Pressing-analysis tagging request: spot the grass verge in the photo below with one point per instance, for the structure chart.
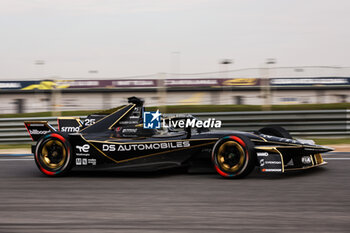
(332, 141)
(15, 146)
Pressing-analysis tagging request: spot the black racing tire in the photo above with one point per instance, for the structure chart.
(234, 156)
(275, 130)
(278, 131)
(53, 155)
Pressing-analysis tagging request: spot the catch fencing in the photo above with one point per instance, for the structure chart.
(309, 123)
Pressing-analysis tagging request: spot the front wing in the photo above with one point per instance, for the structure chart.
(271, 159)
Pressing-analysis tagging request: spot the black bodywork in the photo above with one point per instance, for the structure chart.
(119, 141)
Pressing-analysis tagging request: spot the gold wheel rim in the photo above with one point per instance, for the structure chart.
(231, 156)
(53, 154)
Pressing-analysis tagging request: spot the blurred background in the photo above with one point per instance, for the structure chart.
(248, 63)
(256, 86)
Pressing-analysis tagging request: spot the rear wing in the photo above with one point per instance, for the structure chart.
(69, 124)
(36, 129)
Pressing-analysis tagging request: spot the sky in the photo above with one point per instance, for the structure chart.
(116, 38)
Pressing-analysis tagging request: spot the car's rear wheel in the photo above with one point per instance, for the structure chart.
(53, 155)
(234, 156)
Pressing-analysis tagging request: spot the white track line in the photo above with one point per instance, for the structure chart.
(15, 159)
(336, 158)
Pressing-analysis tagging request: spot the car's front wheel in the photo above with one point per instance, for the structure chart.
(233, 156)
(53, 155)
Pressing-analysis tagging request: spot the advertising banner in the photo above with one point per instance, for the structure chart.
(151, 83)
(309, 81)
(13, 85)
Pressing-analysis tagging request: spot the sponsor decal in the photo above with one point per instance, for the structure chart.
(262, 162)
(78, 161)
(151, 120)
(269, 162)
(273, 162)
(92, 161)
(148, 146)
(271, 170)
(83, 150)
(266, 136)
(36, 125)
(70, 129)
(262, 154)
(89, 121)
(38, 132)
(84, 161)
(129, 130)
(306, 160)
(286, 140)
(128, 122)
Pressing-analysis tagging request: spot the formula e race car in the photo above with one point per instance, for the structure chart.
(131, 139)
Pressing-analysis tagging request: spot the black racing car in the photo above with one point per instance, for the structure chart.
(121, 141)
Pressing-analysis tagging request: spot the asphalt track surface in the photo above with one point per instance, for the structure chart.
(316, 200)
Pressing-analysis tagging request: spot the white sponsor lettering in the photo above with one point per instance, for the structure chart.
(79, 83)
(107, 147)
(264, 154)
(88, 122)
(84, 161)
(273, 162)
(85, 148)
(272, 170)
(193, 123)
(309, 81)
(128, 122)
(36, 132)
(133, 83)
(149, 146)
(70, 129)
(92, 161)
(10, 85)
